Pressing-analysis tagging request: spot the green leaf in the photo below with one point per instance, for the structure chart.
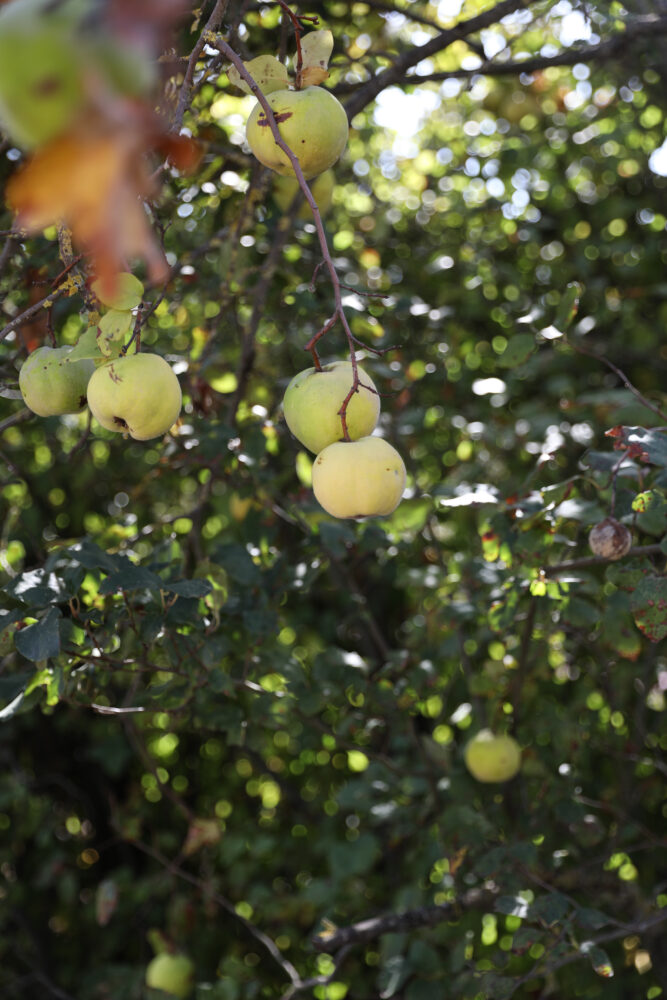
(649, 607)
(113, 327)
(125, 292)
(599, 959)
(268, 73)
(519, 348)
(513, 906)
(355, 857)
(587, 916)
(568, 307)
(646, 445)
(651, 508)
(86, 348)
(188, 588)
(503, 613)
(131, 578)
(42, 640)
(11, 694)
(549, 909)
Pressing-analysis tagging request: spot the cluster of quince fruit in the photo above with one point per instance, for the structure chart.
(360, 477)
(310, 120)
(133, 394)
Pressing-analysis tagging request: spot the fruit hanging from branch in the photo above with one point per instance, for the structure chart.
(50, 385)
(137, 395)
(610, 539)
(322, 188)
(313, 400)
(363, 478)
(312, 122)
(171, 973)
(491, 758)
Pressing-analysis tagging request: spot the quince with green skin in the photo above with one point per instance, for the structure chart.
(312, 122)
(285, 190)
(313, 400)
(491, 758)
(363, 478)
(173, 974)
(137, 395)
(50, 385)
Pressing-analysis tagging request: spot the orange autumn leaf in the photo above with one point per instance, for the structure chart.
(94, 183)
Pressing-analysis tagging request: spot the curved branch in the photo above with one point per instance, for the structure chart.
(391, 923)
(640, 27)
(397, 72)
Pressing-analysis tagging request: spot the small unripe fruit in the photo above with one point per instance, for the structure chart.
(313, 399)
(312, 122)
(362, 478)
(173, 974)
(492, 758)
(610, 539)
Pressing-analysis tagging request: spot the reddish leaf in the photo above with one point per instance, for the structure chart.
(93, 181)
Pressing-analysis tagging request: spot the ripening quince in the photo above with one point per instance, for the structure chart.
(172, 974)
(492, 758)
(137, 395)
(313, 399)
(285, 189)
(312, 122)
(50, 385)
(359, 478)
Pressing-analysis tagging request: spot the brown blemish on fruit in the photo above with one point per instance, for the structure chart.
(46, 87)
(263, 121)
(120, 421)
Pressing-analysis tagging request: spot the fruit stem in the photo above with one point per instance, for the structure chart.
(298, 31)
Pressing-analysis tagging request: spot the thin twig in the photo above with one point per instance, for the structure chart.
(637, 552)
(33, 310)
(224, 904)
(185, 94)
(339, 311)
(623, 377)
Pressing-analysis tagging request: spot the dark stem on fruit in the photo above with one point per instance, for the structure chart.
(298, 31)
(339, 311)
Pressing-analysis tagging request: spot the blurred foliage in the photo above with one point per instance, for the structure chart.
(224, 712)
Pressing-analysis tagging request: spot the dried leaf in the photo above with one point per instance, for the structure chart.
(200, 833)
(313, 75)
(268, 73)
(93, 182)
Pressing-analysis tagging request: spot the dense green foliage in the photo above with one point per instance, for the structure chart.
(226, 714)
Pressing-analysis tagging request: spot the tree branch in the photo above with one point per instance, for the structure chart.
(33, 310)
(185, 94)
(638, 551)
(397, 71)
(391, 923)
(605, 51)
(224, 904)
